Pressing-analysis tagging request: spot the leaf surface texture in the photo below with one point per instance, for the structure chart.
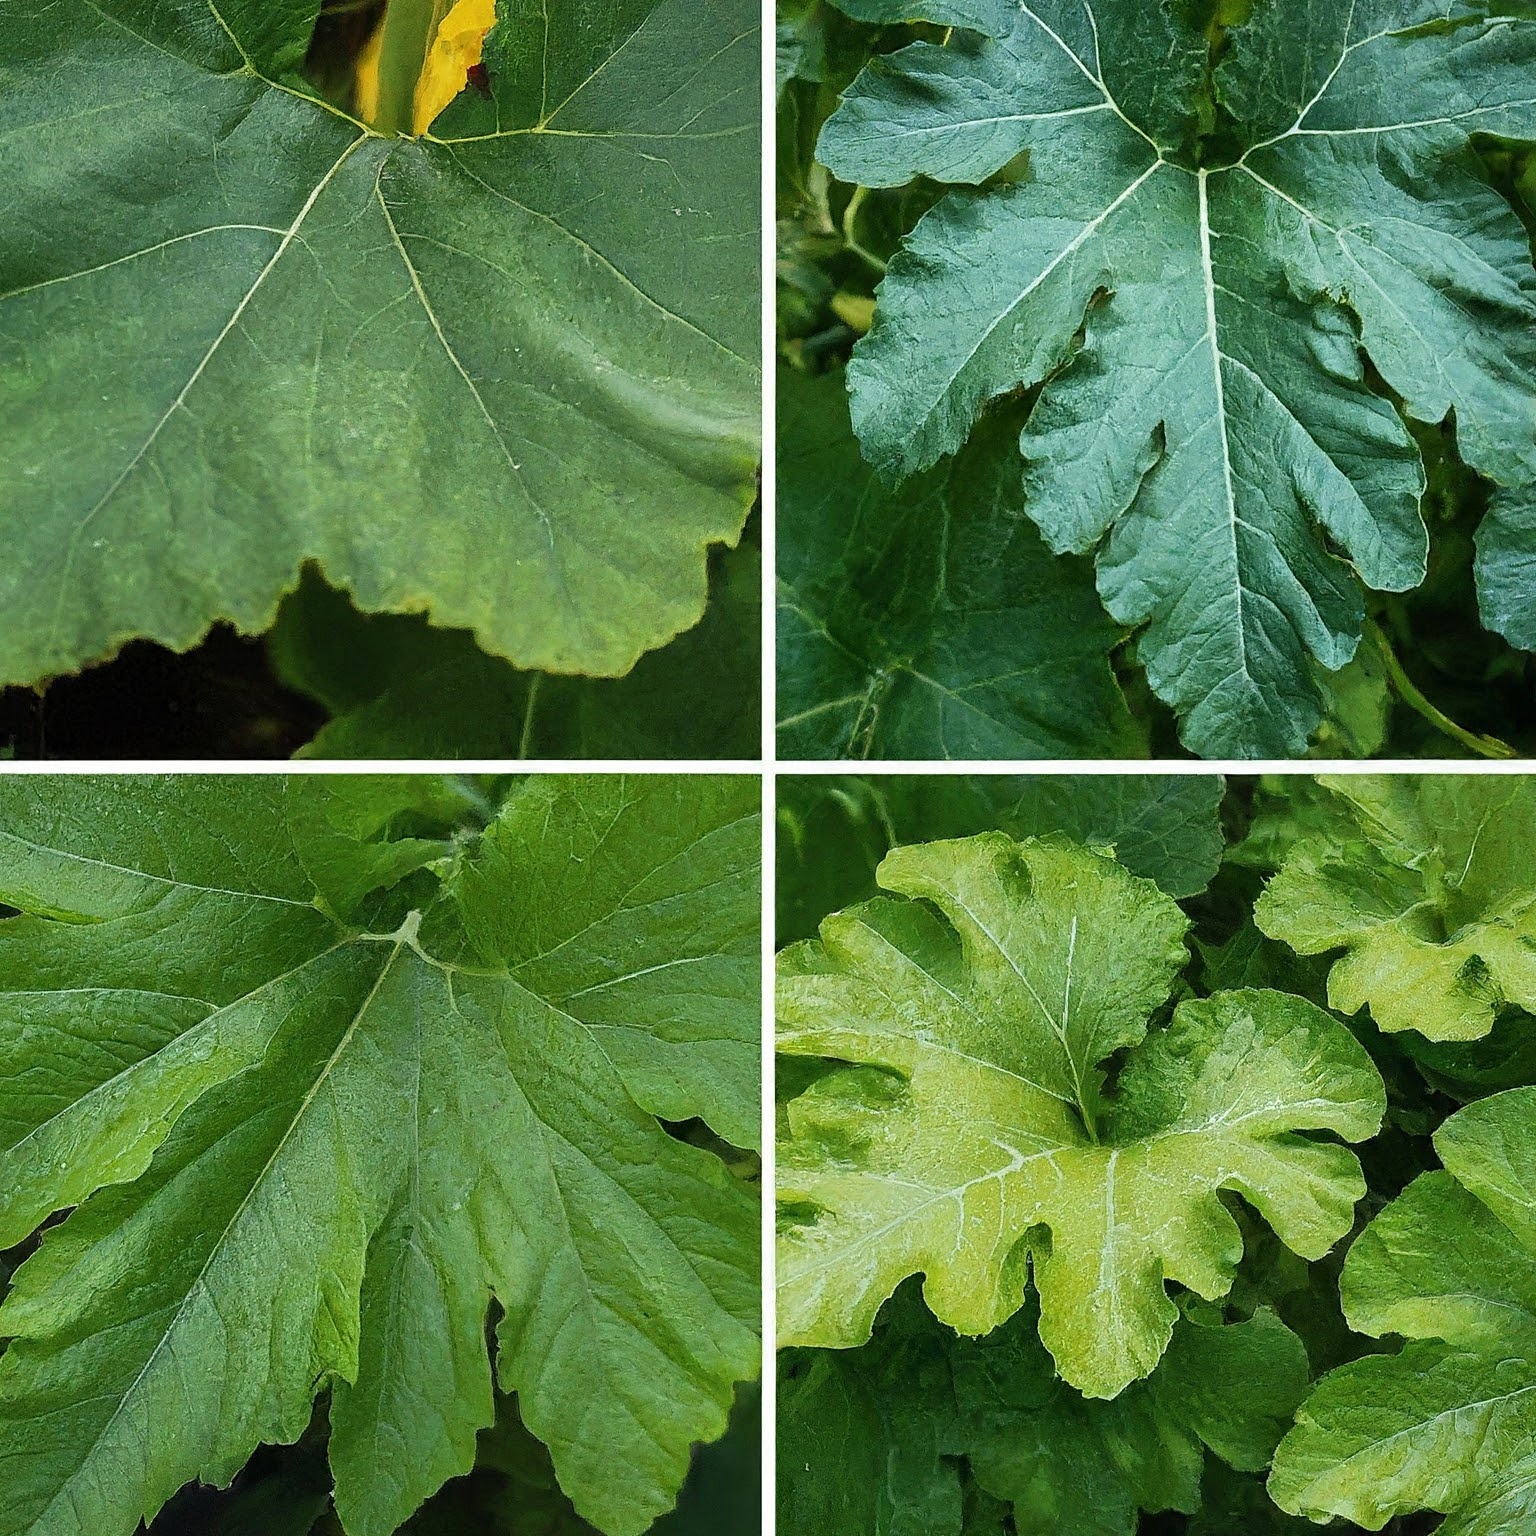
(327, 1067)
(971, 1137)
(499, 372)
(1194, 272)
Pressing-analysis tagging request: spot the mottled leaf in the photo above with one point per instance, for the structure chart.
(970, 1136)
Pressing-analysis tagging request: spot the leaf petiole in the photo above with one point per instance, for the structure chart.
(1405, 688)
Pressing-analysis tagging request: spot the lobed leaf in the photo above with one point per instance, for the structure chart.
(929, 621)
(319, 1095)
(1425, 883)
(1448, 1423)
(970, 1138)
(1196, 307)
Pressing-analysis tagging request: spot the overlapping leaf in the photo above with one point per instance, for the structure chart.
(929, 621)
(1449, 1424)
(1428, 883)
(325, 1070)
(1066, 1463)
(969, 1137)
(872, 1439)
(501, 373)
(397, 687)
(1194, 279)
(833, 830)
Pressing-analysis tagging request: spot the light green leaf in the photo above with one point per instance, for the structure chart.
(501, 373)
(1195, 310)
(1448, 1424)
(309, 1152)
(1426, 883)
(969, 1137)
(929, 621)
(631, 903)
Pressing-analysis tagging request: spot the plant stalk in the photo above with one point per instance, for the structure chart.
(406, 34)
(1408, 692)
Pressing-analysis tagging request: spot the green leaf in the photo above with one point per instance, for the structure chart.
(308, 1151)
(1194, 283)
(1447, 1424)
(1506, 567)
(1425, 881)
(989, 16)
(970, 1136)
(398, 687)
(501, 373)
(864, 1435)
(871, 1439)
(929, 621)
(1069, 1464)
(833, 831)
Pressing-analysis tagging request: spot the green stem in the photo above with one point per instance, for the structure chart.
(1407, 691)
(850, 231)
(525, 741)
(408, 29)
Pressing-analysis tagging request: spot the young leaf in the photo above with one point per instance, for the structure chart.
(310, 1143)
(500, 372)
(971, 1138)
(929, 621)
(1448, 1424)
(1194, 283)
(1426, 883)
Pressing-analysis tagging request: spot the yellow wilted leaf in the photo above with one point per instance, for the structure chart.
(455, 51)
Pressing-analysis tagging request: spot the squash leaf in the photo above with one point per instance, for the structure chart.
(499, 373)
(1425, 881)
(328, 1065)
(1192, 250)
(929, 621)
(1449, 1423)
(871, 1439)
(971, 1135)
